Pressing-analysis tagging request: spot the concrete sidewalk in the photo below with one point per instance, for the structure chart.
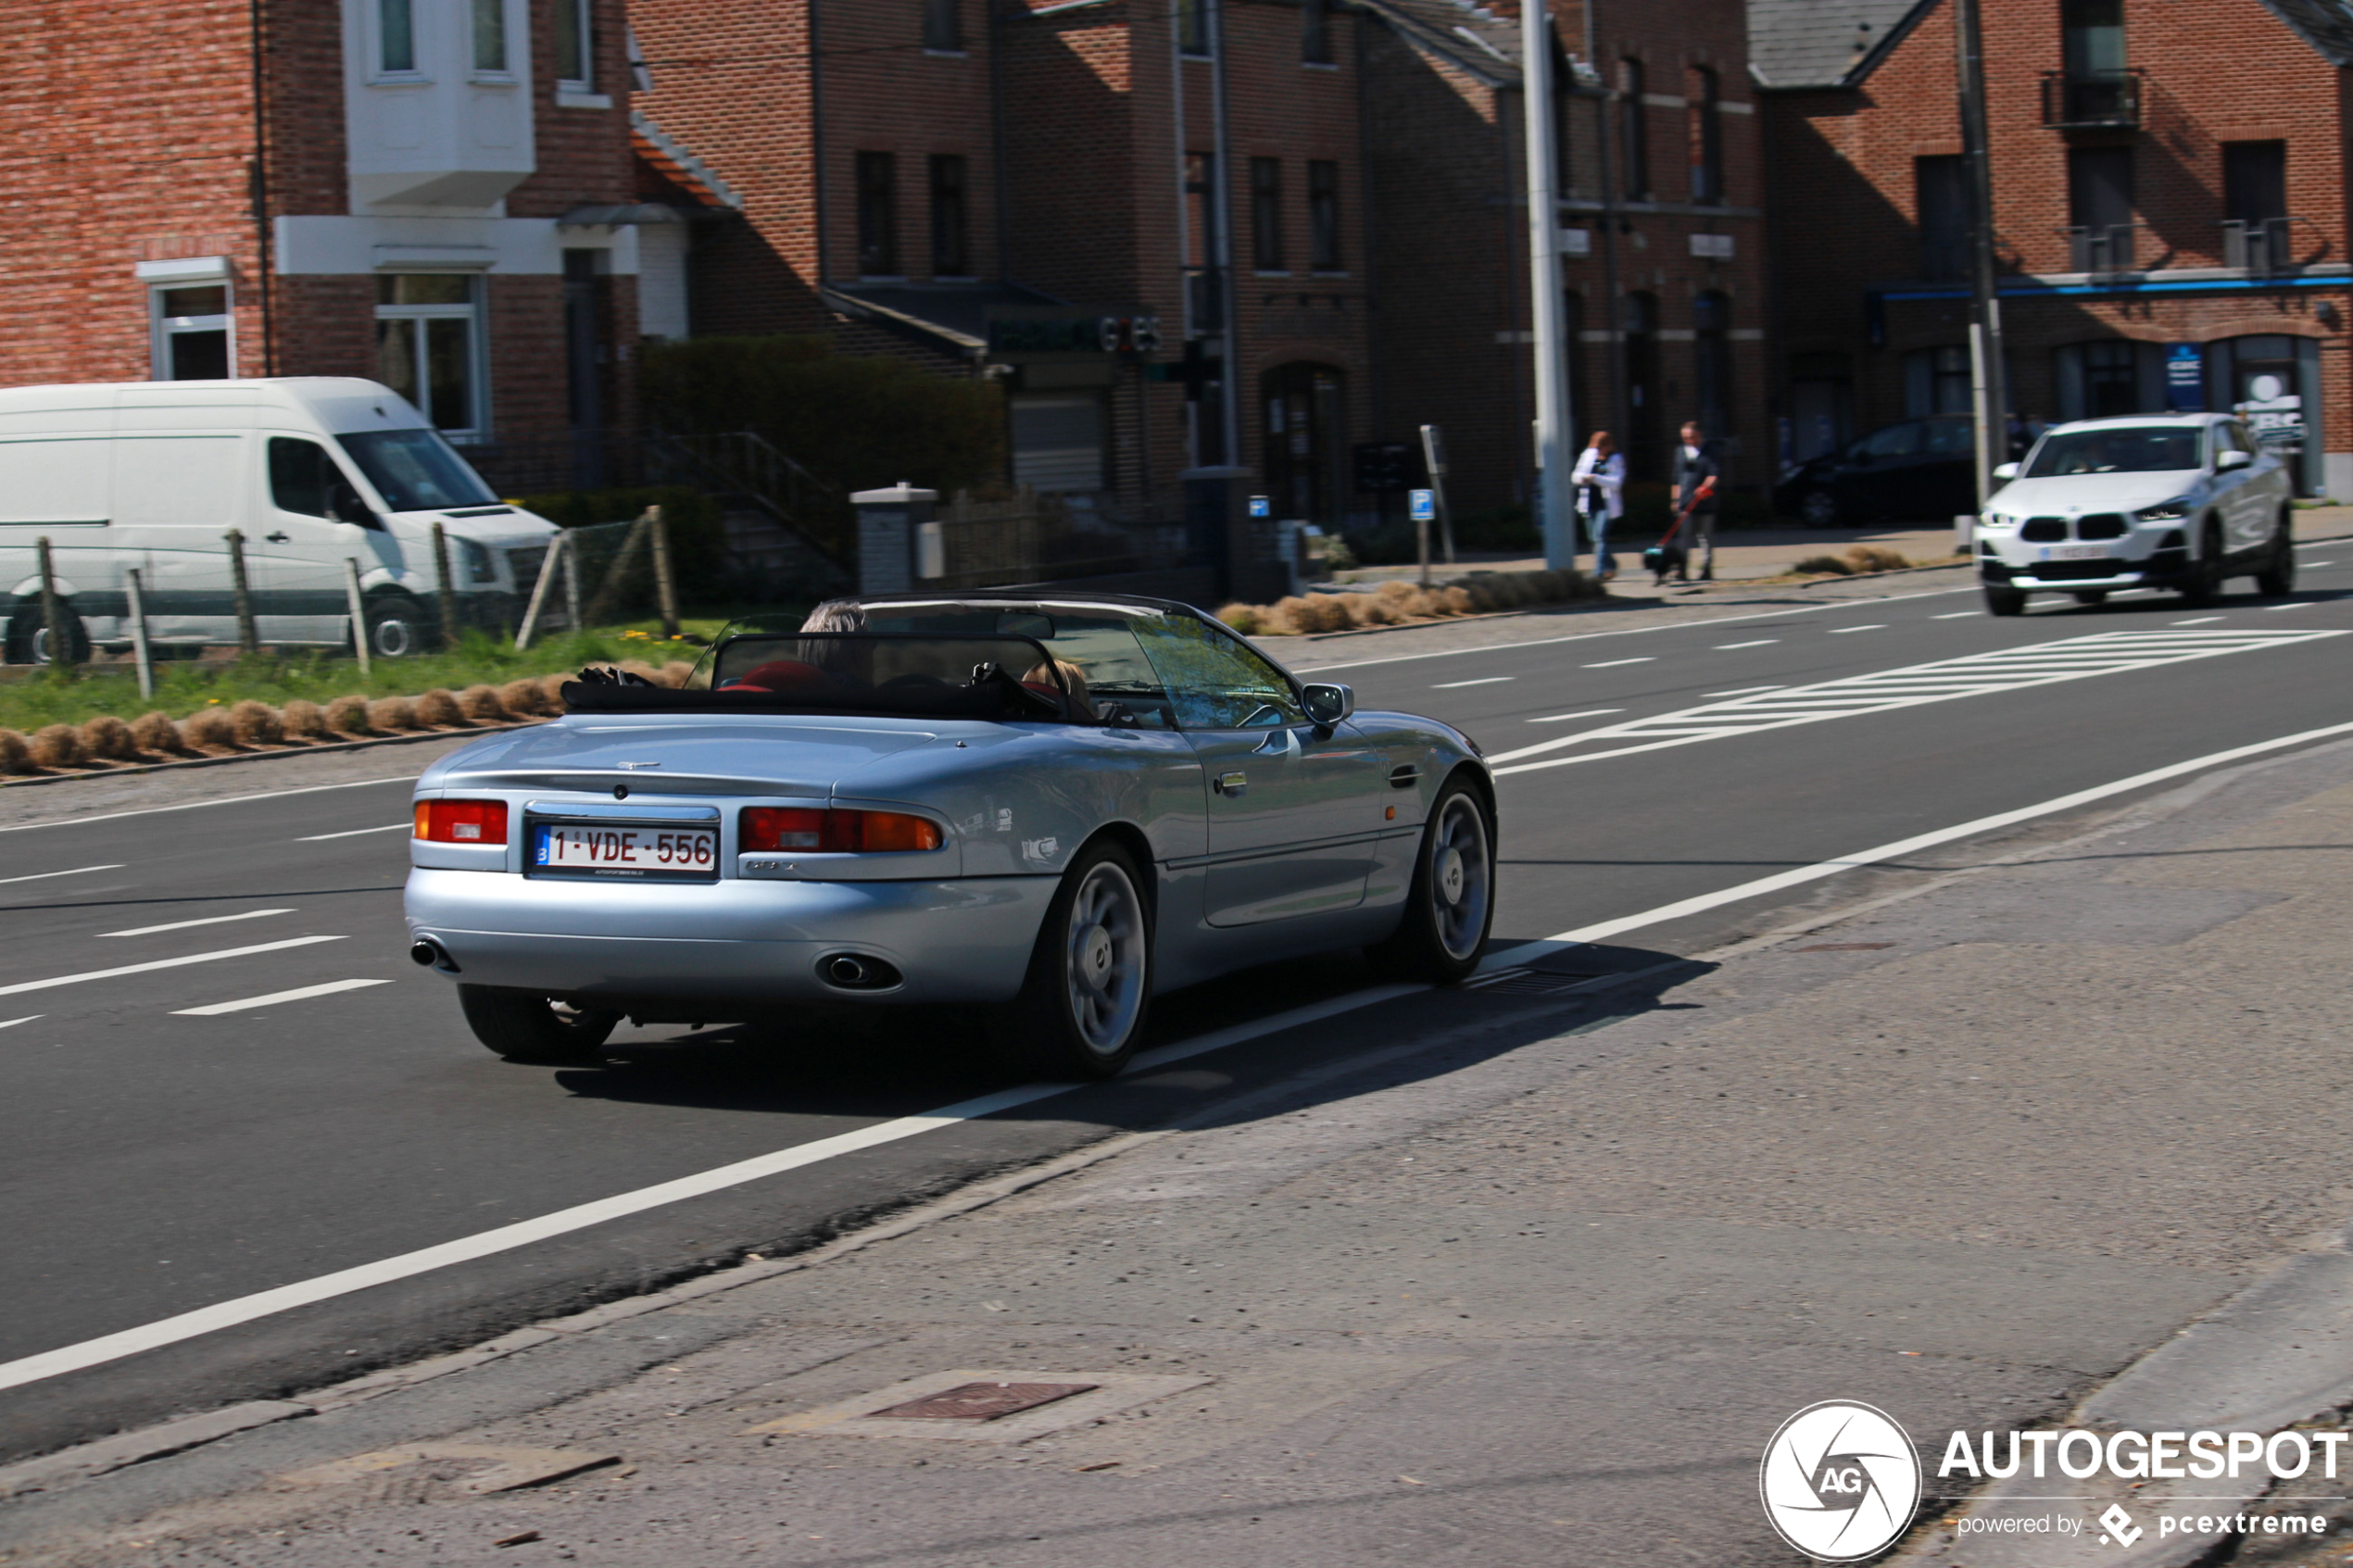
(1535, 1289)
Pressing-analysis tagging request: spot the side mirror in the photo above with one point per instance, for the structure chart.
(2006, 471)
(1328, 705)
(2225, 461)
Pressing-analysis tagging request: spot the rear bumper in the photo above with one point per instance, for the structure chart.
(967, 940)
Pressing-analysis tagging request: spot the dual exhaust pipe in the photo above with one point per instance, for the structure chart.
(844, 971)
(427, 953)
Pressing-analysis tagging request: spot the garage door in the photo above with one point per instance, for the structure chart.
(1058, 441)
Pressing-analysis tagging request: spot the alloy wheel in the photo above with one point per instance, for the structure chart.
(1105, 960)
(1461, 876)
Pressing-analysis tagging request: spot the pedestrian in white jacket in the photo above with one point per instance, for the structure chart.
(1599, 480)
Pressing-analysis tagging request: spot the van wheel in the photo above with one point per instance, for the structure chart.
(2278, 577)
(2205, 579)
(525, 1026)
(1081, 1013)
(29, 642)
(396, 627)
(2005, 601)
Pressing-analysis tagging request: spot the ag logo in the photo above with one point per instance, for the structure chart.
(1840, 1481)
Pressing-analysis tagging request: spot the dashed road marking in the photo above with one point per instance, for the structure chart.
(1482, 681)
(1841, 630)
(164, 963)
(300, 994)
(1589, 713)
(353, 833)
(43, 876)
(2199, 620)
(1759, 643)
(1746, 691)
(2004, 669)
(1613, 663)
(1957, 615)
(186, 924)
(11, 1024)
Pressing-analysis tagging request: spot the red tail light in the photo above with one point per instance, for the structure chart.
(461, 822)
(792, 827)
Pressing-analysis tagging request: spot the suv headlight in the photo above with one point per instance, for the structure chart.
(1996, 521)
(2173, 510)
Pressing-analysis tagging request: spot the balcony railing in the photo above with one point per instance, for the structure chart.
(2100, 247)
(2266, 245)
(2084, 102)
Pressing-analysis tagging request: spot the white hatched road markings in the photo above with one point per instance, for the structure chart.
(300, 994)
(2004, 669)
(1589, 713)
(43, 876)
(355, 833)
(186, 924)
(1746, 691)
(163, 963)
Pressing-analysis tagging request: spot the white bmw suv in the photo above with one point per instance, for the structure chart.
(2179, 501)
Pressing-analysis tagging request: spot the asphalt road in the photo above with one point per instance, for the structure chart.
(155, 1160)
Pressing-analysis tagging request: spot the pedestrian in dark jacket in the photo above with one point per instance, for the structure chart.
(1694, 468)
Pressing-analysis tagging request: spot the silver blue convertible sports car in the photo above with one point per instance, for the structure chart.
(1051, 806)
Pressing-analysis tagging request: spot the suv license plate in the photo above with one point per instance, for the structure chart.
(2075, 552)
(638, 854)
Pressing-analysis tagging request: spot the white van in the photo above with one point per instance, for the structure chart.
(313, 471)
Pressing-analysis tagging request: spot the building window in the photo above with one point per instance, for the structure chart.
(1323, 215)
(1266, 214)
(2092, 39)
(192, 332)
(1936, 380)
(1712, 360)
(429, 346)
(396, 37)
(1940, 199)
(2254, 223)
(1630, 130)
(2111, 379)
(943, 27)
(1638, 324)
(1204, 268)
(877, 215)
(1192, 28)
(2099, 201)
(1707, 137)
(1316, 31)
(490, 35)
(576, 45)
(950, 237)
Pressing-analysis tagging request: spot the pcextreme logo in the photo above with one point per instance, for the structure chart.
(1840, 1481)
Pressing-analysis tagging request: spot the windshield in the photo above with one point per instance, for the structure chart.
(2121, 449)
(415, 471)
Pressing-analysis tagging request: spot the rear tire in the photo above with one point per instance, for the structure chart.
(1081, 1011)
(1451, 904)
(2277, 580)
(527, 1026)
(28, 639)
(2005, 601)
(397, 627)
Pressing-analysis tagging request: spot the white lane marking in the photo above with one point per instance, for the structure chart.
(1613, 663)
(2003, 669)
(1957, 615)
(2199, 620)
(186, 924)
(1527, 952)
(1482, 681)
(1841, 630)
(163, 963)
(43, 876)
(1744, 691)
(1759, 643)
(505, 1238)
(2300, 604)
(300, 994)
(1589, 713)
(1642, 631)
(355, 833)
(2320, 563)
(11, 1024)
(224, 800)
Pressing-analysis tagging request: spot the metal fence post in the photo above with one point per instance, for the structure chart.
(53, 613)
(665, 585)
(447, 596)
(247, 638)
(359, 612)
(139, 633)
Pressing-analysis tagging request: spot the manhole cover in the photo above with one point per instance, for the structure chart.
(1846, 947)
(1527, 983)
(984, 1401)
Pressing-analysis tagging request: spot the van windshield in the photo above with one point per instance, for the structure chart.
(415, 471)
(2119, 449)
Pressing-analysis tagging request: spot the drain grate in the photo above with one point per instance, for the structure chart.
(1846, 947)
(1528, 982)
(984, 1401)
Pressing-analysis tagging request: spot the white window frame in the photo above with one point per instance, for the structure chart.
(472, 312)
(584, 16)
(512, 45)
(207, 272)
(382, 71)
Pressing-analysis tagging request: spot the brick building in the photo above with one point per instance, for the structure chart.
(436, 194)
(1662, 219)
(2170, 234)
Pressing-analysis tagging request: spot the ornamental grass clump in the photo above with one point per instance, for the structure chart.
(16, 757)
(1249, 620)
(58, 745)
(109, 737)
(481, 704)
(391, 714)
(207, 727)
(303, 720)
(1818, 566)
(256, 723)
(155, 732)
(348, 715)
(523, 698)
(438, 709)
(1875, 557)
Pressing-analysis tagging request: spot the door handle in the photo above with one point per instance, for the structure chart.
(277, 538)
(1230, 784)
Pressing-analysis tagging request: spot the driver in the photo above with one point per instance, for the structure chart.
(1073, 680)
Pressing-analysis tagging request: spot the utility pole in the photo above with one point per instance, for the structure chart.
(1989, 399)
(1552, 413)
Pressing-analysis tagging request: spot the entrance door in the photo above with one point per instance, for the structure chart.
(1293, 808)
(1303, 426)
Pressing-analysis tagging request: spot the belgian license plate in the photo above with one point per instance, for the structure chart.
(638, 854)
(2075, 552)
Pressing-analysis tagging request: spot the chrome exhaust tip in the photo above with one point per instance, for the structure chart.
(856, 971)
(426, 953)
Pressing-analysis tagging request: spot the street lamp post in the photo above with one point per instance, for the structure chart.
(1552, 413)
(1989, 400)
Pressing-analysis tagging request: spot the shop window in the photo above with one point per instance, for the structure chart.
(192, 329)
(1936, 380)
(429, 347)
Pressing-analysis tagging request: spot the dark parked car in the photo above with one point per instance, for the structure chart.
(1919, 469)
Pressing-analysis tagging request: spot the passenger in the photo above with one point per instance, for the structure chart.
(836, 615)
(1073, 680)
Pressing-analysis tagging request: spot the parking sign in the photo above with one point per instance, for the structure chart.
(1424, 505)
